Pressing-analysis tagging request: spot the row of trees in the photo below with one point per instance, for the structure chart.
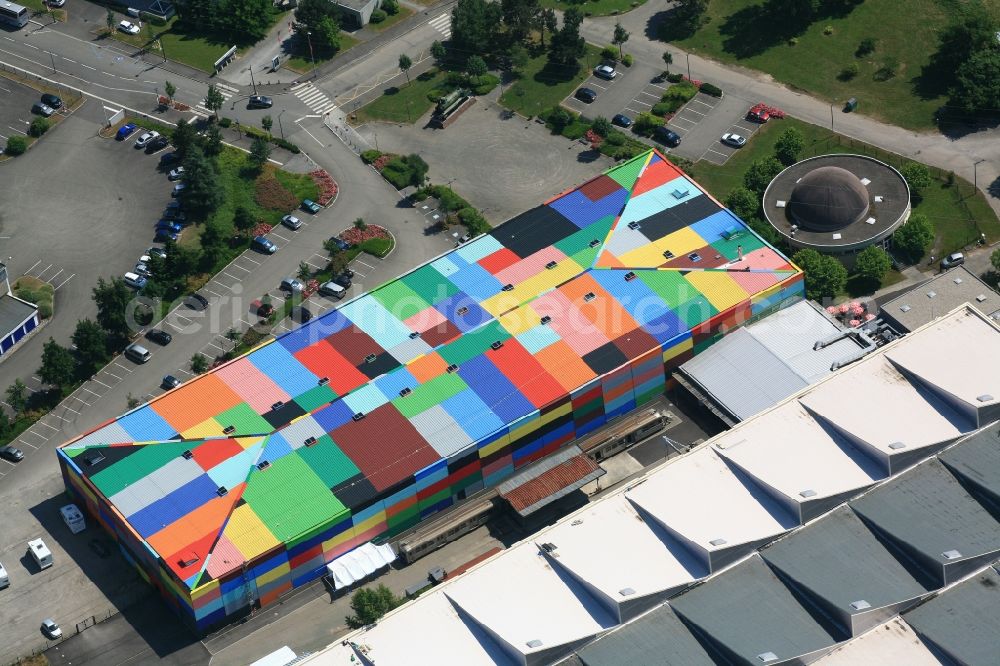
(969, 57)
(242, 21)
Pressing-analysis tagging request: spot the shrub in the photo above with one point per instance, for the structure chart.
(615, 139)
(287, 145)
(45, 309)
(16, 145)
(390, 7)
(828, 30)
(609, 53)
(662, 108)
(602, 126)
(397, 172)
(866, 46)
(378, 16)
(627, 60)
(225, 122)
(889, 69)
(710, 89)
(575, 129)
(272, 195)
(473, 221)
(486, 83)
(849, 72)
(370, 156)
(675, 77)
(38, 127)
(793, 41)
(682, 91)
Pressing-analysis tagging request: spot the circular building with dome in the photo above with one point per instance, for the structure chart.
(837, 204)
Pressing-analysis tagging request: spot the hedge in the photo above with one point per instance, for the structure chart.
(16, 145)
(370, 156)
(38, 127)
(675, 78)
(713, 90)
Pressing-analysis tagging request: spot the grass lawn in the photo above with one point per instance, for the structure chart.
(403, 104)
(958, 212)
(595, 7)
(392, 19)
(739, 31)
(301, 62)
(40, 7)
(543, 85)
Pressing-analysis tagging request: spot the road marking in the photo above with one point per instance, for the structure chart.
(68, 409)
(180, 316)
(231, 275)
(55, 276)
(174, 326)
(32, 46)
(183, 371)
(90, 392)
(32, 432)
(66, 280)
(247, 270)
(82, 64)
(98, 381)
(313, 137)
(279, 236)
(591, 83)
(698, 112)
(122, 367)
(255, 263)
(212, 292)
(113, 375)
(678, 119)
(68, 60)
(42, 272)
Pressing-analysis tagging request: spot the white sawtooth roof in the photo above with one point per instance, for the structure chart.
(791, 452)
(894, 642)
(700, 499)
(521, 599)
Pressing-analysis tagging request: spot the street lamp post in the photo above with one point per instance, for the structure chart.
(831, 116)
(280, 127)
(688, 57)
(975, 175)
(310, 41)
(252, 81)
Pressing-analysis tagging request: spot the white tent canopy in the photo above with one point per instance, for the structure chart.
(358, 564)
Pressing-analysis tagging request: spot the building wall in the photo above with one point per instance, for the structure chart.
(360, 17)
(436, 487)
(8, 341)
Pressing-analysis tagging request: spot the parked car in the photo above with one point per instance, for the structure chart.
(605, 72)
(261, 244)
(952, 260)
(162, 236)
(174, 204)
(291, 222)
(758, 114)
(734, 140)
(291, 285)
(51, 100)
(300, 314)
(159, 143)
(586, 95)
(196, 302)
(174, 214)
(157, 251)
(142, 269)
(178, 188)
(343, 280)
(262, 310)
(341, 243)
(11, 453)
(332, 289)
(125, 131)
(159, 336)
(259, 102)
(167, 225)
(176, 174)
(348, 272)
(667, 136)
(145, 138)
(622, 120)
(170, 382)
(169, 158)
(51, 629)
(56, 3)
(311, 206)
(134, 280)
(128, 28)
(42, 109)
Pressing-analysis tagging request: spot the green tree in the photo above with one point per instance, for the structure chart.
(404, 66)
(112, 298)
(211, 143)
(17, 395)
(16, 145)
(761, 172)
(38, 126)
(199, 364)
(668, 58)
(994, 261)
(243, 219)
(744, 203)
(689, 14)
(872, 264)
(202, 192)
(567, 46)
(369, 605)
(601, 126)
(213, 243)
(518, 17)
(251, 19)
(185, 136)
(305, 271)
(170, 90)
(789, 146)
(825, 276)
(109, 18)
(972, 30)
(322, 19)
(977, 82)
(267, 122)
(214, 100)
(620, 37)
(418, 169)
(475, 26)
(360, 224)
(260, 151)
(439, 51)
(475, 67)
(390, 7)
(91, 344)
(918, 177)
(544, 21)
(58, 367)
(913, 238)
(798, 12)
(518, 57)
(328, 33)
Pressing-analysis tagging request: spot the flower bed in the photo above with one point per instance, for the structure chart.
(357, 236)
(260, 229)
(327, 186)
(383, 159)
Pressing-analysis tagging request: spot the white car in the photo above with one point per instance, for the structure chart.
(291, 222)
(734, 140)
(605, 72)
(56, 3)
(176, 174)
(128, 28)
(144, 140)
(178, 188)
(51, 629)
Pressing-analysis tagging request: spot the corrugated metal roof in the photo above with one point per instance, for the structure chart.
(549, 479)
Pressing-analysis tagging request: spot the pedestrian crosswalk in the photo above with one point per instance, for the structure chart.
(227, 92)
(442, 24)
(313, 97)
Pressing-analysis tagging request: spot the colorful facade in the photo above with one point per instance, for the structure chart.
(241, 484)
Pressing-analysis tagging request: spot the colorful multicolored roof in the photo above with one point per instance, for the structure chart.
(350, 406)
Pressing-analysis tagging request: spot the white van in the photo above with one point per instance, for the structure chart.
(4, 578)
(41, 553)
(137, 353)
(73, 518)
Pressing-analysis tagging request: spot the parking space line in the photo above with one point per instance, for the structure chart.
(28, 272)
(591, 83)
(184, 372)
(693, 111)
(679, 119)
(89, 391)
(241, 268)
(180, 316)
(279, 236)
(33, 447)
(32, 432)
(48, 426)
(211, 292)
(113, 375)
(255, 263)
(98, 381)
(230, 276)
(71, 410)
(649, 95)
(698, 101)
(660, 87)
(173, 326)
(66, 280)
(122, 367)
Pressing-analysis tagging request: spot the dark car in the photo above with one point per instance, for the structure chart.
(343, 280)
(622, 120)
(159, 143)
(163, 235)
(263, 245)
(174, 215)
(300, 314)
(348, 272)
(196, 302)
(667, 136)
(167, 225)
(11, 453)
(125, 131)
(341, 243)
(158, 251)
(170, 382)
(259, 102)
(51, 100)
(169, 158)
(311, 206)
(42, 109)
(586, 95)
(159, 336)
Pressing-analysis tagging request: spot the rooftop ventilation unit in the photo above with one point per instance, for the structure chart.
(633, 225)
(630, 276)
(548, 547)
(718, 542)
(595, 243)
(895, 446)
(462, 310)
(370, 358)
(508, 287)
(309, 441)
(980, 298)
(358, 416)
(694, 256)
(414, 335)
(187, 455)
(278, 405)
(589, 296)
(931, 294)
(546, 319)
(904, 308)
(626, 591)
(221, 491)
(957, 280)
(668, 254)
(229, 430)
(860, 604)
(263, 464)
(405, 392)
(767, 657)
(808, 493)
(986, 397)
(452, 368)
(951, 554)
(323, 381)
(496, 345)
(551, 265)
(534, 643)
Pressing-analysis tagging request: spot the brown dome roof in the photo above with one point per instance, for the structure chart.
(827, 199)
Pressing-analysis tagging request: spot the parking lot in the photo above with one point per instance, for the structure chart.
(15, 108)
(702, 122)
